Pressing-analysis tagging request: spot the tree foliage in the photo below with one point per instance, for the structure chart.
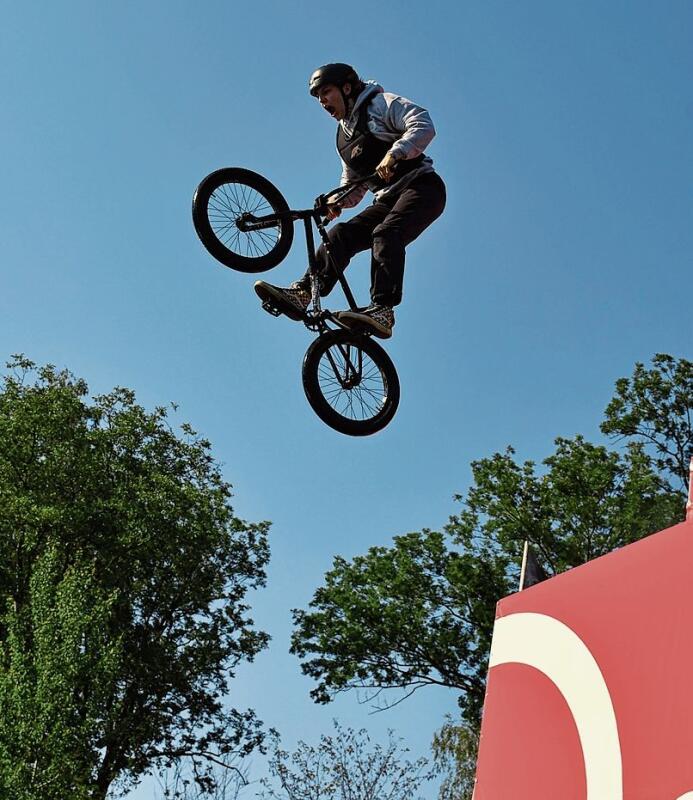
(123, 573)
(345, 766)
(399, 618)
(454, 753)
(227, 781)
(655, 406)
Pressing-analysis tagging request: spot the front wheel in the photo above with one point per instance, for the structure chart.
(219, 203)
(350, 382)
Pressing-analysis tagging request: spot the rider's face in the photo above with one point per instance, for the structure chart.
(330, 98)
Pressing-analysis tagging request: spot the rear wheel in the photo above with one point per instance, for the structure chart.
(218, 205)
(350, 382)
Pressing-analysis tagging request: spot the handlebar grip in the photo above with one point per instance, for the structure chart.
(341, 192)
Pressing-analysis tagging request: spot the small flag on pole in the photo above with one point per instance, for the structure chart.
(531, 571)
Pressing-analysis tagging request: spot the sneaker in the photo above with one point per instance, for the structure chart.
(292, 301)
(380, 319)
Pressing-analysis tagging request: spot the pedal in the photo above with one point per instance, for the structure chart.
(270, 308)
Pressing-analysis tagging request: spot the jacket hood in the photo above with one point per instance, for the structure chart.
(371, 88)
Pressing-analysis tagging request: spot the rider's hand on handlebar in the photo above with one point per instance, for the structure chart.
(333, 210)
(386, 168)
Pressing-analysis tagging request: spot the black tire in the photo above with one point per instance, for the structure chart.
(218, 202)
(358, 410)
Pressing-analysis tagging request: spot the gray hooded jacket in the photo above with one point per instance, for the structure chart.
(393, 119)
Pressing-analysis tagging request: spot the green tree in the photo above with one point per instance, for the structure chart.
(655, 406)
(344, 766)
(454, 753)
(226, 782)
(123, 574)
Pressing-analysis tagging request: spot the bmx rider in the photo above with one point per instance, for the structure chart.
(383, 133)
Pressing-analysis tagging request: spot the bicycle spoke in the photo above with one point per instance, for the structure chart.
(226, 204)
(351, 382)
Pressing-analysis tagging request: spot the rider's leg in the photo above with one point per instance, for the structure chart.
(415, 208)
(346, 240)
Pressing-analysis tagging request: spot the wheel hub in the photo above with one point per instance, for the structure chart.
(351, 382)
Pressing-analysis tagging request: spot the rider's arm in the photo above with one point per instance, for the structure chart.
(355, 197)
(408, 124)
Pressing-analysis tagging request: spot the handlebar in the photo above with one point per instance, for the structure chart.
(340, 192)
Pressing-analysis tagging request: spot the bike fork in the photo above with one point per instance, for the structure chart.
(352, 374)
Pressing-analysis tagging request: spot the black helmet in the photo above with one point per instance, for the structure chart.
(337, 74)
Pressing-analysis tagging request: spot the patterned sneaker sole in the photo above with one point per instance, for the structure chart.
(274, 303)
(352, 320)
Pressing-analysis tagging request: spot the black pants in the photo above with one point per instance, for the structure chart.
(386, 227)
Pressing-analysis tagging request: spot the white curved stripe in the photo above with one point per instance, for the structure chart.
(551, 647)
(687, 796)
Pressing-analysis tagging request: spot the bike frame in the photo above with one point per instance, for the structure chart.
(317, 318)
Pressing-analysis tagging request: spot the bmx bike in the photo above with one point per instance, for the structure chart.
(244, 222)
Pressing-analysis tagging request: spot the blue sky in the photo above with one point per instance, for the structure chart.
(564, 254)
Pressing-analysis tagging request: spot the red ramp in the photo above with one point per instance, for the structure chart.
(590, 688)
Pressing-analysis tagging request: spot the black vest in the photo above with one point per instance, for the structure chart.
(362, 151)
